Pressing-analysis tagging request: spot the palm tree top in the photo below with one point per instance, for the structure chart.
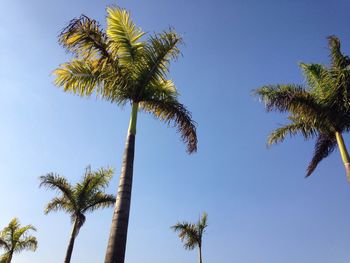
(320, 108)
(86, 196)
(119, 66)
(14, 238)
(191, 233)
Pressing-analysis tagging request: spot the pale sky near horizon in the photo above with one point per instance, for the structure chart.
(260, 207)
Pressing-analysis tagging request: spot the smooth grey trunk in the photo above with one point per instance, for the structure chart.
(71, 242)
(118, 233)
(200, 253)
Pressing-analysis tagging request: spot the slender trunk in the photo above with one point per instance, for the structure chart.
(200, 253)
(9, 258)
(118, 234)
(71, 242)
(344, 153)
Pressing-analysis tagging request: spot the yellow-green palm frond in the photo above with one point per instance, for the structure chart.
(124, 34)
(316, 76)
(325, 144)
(156, 57)
(171, 111)
(84, 37)
(80, 77)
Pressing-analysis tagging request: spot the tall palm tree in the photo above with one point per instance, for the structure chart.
(191, 234)
(321, 109)
(120, 67)
(15, 239)
(86, 196)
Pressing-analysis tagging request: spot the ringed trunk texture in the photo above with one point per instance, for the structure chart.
(71, 242)
(118, 234)
(344, 153)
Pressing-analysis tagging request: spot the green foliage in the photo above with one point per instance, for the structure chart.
(120, 67)
(86, 196)
(319, 109)
(15, 239)
(191, 234)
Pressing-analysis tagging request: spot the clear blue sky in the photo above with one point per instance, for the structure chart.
(261, 209)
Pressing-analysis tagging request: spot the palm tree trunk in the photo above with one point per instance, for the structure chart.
(200, 253)
(71, 242)
(9, 258)
(118, 234)
(344, 153)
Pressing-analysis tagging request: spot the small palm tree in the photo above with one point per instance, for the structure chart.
(120, 67)
(85, 196)
(322, 109)
(15, 239)
(191, 234)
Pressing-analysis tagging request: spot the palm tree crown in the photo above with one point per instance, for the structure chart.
(191, 234)
(120, 67)
(86, 196)
(321, 109)
(14, 239)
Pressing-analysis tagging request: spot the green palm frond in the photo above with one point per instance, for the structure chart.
(81, 77)
(315, 74)
(174, 112)
(100, 200)
(124, 35)
(156, 57)
(84, 37)
(59, 204)
(278, 135)
(338, 60)
(325, 145)
(28, 243)
(56, 182)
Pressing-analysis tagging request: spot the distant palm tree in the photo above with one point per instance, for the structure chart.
(85, 196)
(122, 68)
(322, 109)
(14, 239)
(191, 234)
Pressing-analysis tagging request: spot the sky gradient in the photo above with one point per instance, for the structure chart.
(260, 207)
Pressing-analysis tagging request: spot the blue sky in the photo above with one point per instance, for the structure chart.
(261, 208)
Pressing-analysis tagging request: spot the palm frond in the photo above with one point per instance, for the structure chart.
(314, 75)
(325, 144)
(80, 77)
(28, 243)
(56, 182)
(124, 35)
(99, 200)
(338, 60)
(278, 135)
(188, 234)
(59, 204)
(173, 111)
(156, 57)
(84, 37)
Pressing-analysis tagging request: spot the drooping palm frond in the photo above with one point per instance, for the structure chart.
(125, 35)
(84, 38)
(325, 144)
(100, 200)
(28, 243)
(188, 234)
(174, 112)
(56, 182)
(59, 204)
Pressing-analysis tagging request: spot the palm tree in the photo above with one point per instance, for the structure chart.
(14, 239)
(321, 109)
(85, 196)
(120, 67)
(191, 234)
